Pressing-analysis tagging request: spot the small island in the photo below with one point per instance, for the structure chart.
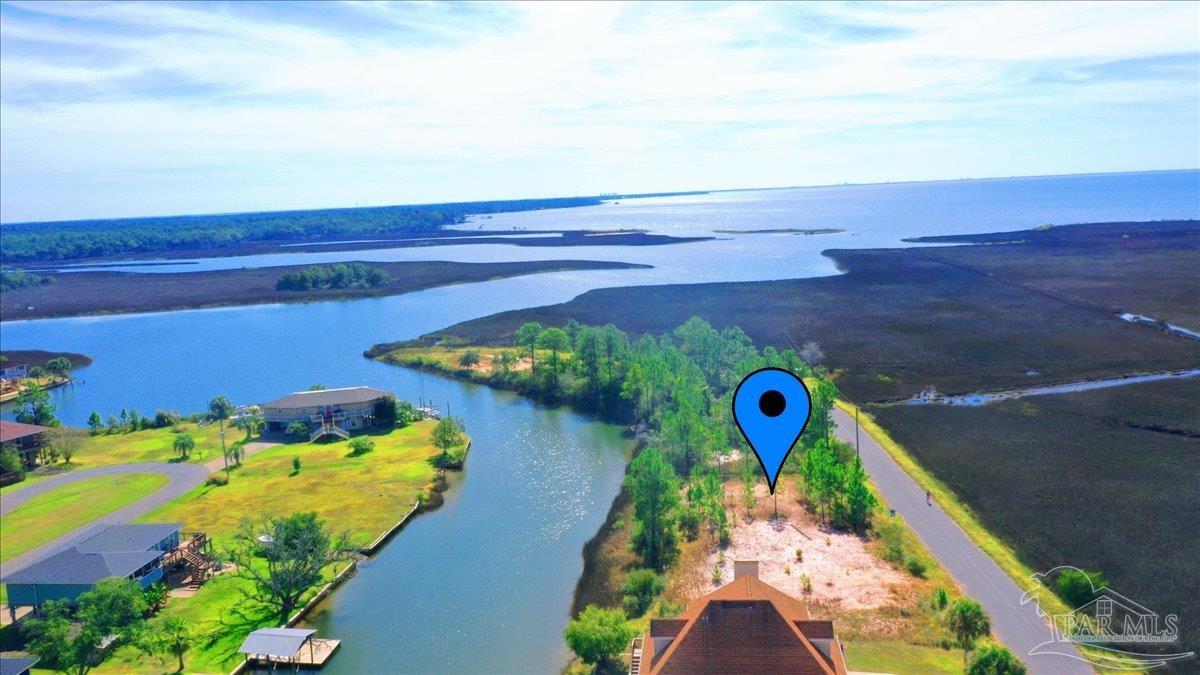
(785, 230)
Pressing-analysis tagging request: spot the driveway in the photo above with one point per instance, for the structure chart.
(182, 477)
(1015, 625)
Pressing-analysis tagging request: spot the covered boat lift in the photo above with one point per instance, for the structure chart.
(295, 647)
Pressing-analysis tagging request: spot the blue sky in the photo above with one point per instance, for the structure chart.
(139, 109)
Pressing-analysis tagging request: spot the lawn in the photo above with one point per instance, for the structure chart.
(901, 658)
(147, 445)
(363, 495)
(66, 508)
(222, 620)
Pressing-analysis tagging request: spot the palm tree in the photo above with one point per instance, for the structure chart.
(967, 622)
(184, 445)
(220, 408)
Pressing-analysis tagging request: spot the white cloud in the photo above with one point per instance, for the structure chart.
(104, 105)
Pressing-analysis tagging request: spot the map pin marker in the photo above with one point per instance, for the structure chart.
(771, 408)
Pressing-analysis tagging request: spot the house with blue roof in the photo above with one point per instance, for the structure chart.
(132, 551)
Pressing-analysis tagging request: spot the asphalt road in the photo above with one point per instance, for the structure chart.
(1019, 627)
(183, 477)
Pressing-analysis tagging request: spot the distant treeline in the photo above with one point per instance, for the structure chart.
(14, 279)
(341, 275)
(99, 238)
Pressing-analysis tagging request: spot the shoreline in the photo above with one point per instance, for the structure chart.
(107, 293)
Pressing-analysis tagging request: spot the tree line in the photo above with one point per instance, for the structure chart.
(341, 275)
(97, 238)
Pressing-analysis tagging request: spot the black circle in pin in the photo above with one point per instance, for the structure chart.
(772, 403)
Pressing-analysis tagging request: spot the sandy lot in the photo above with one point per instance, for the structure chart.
(842, 571)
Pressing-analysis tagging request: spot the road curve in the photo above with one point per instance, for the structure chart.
(1016, 625)
(182, 477)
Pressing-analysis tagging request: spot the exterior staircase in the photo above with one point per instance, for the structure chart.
(635, 656)
(325, 429)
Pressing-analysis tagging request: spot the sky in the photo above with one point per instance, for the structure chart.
(124, 109)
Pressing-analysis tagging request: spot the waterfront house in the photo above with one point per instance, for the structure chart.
(138, 551)
(332, 411)
(746, 626)
(26, 439)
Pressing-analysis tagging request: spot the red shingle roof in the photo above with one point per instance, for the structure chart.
(746, 626)
(11, 431)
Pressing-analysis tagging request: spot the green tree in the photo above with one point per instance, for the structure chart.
(33, 406)
(470, 358)
(748, 473)
(1078, 587)
(95, 423)
(113, 606)
(823, 477)
(66, 442)
(639, 590)
(967, 622)
(527, 336)
(219, 409)
(10, 461)
(598, 635)
(56, 643)
(286, 564)
(448, 433)
(992, 659)
(59, 365)
(857, 501)
(655, 492)
(298, 429)
(172, 635)
(556, 340)
(183, 444)
(386, 412)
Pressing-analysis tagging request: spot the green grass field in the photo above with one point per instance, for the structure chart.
(362, 495)
(148, 445)
(901, 658)
(63, 509)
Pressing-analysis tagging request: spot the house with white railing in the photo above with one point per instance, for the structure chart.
(335, 412)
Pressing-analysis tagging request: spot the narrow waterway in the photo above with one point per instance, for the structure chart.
(985, 398)
(483, 584)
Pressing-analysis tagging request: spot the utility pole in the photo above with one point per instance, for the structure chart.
(857, 449)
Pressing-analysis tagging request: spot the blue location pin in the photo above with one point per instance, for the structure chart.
(771, 408)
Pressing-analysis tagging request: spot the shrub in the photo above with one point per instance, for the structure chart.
(166, 418)
(296, 463)
(689, 522)
(724, 537)
(1077, 587)
(995, 660)
(640, 588)
(799, 555)
(916, 567)
(218, 479)
(470, 358)
(598, 634)
(718, 574)
(940, 598)
(298, 429)
(359, 445)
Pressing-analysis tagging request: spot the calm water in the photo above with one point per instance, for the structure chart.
(484, 584)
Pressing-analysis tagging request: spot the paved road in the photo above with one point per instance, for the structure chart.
(183, 477)
(1017, 626)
